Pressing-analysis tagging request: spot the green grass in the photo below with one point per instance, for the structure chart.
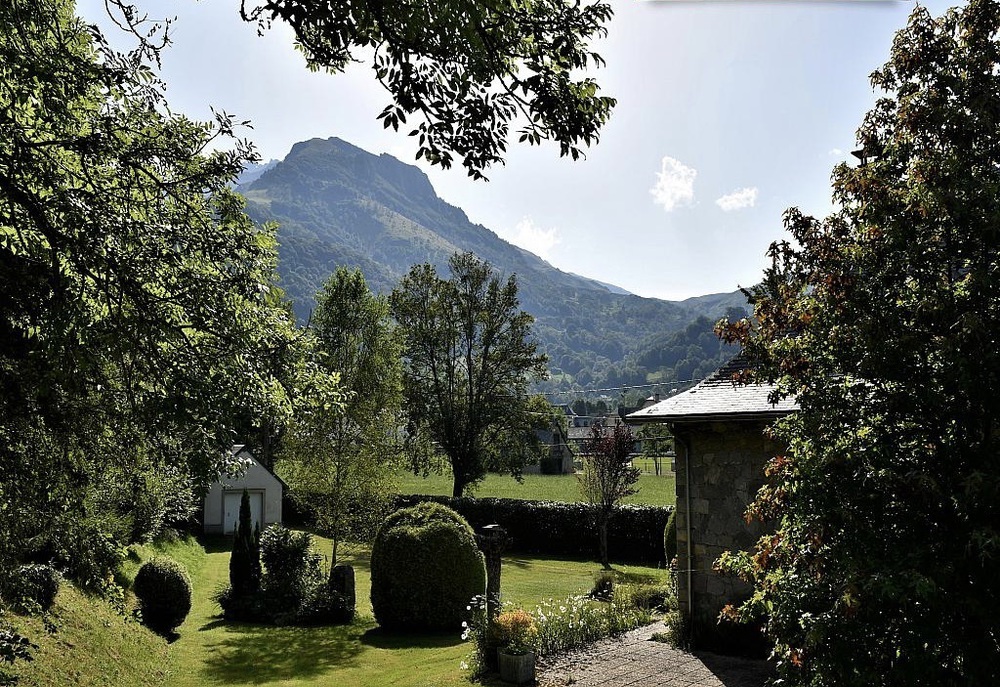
(653, 490)
(95, 646)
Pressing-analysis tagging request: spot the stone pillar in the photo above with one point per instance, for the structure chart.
(492, 541)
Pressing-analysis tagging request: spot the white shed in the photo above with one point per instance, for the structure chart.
(222, 503)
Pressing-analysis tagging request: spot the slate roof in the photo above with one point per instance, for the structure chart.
(718, 398)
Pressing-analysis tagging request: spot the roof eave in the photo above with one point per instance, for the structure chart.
(713, 417)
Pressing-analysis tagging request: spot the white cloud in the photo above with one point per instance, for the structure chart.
(674, 184)
(835, 152)
(738, 199)
(533, 238)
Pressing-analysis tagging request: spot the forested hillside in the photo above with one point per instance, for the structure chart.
(339, 205)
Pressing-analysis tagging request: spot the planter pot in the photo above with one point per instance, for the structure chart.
(518, 669)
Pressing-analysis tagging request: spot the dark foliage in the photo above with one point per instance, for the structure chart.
(244, 563)
(670, 537)
(32, 588)
(425, 568)
(552, 528)
(164, 592)
(293, 589)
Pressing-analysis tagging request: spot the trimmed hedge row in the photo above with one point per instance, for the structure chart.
(635, 533)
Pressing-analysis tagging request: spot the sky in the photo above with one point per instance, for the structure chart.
(729, 112)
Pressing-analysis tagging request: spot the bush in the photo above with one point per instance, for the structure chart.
(32, 588)
(670, 538)
(552, 528)
(425, 569)
(293, 589)
(604, 585)
(291, 572)
(164, 592)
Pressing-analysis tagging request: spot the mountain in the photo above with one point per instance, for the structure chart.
(337, 204)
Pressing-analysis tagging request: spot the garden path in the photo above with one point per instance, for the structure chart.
(636, 661)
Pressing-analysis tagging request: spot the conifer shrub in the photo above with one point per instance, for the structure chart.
(244, 562)
(670, 537)
(164, 592)
(425, 569)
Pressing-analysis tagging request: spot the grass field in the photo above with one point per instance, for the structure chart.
(92, 645)
(653, 490)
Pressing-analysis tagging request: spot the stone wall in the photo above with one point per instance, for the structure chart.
(725, 462)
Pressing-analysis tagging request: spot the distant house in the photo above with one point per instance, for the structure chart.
(222, 503)
(558, 458)
(721, 450)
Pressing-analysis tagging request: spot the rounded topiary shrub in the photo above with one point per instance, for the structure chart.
(425, 569)
(164, 592)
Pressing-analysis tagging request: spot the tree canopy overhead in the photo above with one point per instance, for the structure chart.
(135, 319)
(882, 320)
(465, 70)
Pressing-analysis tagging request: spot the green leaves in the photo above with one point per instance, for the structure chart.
(135, 324)
(880, 319)
(465, 69)
(469, 358)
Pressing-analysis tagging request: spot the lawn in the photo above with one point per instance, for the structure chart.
(653, 490)
(93, 645)
(210, 651)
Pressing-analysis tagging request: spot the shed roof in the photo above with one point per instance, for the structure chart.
(718, 398)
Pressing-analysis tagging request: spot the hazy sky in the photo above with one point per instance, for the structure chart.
(728, 113)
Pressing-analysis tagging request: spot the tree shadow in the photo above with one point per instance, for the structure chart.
(254, 654)
(216, 543)
(734, 671)
(380, 639)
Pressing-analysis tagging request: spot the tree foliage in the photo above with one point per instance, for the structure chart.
(469, 357)
(133, 314)
(340, 450)
(881, 320)
(608, 475)
(464, 69)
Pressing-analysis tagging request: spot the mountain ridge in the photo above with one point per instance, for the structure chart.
(337, 204)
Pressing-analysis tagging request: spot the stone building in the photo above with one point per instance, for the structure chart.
(721, 450)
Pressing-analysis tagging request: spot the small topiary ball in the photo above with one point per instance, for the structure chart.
(425, 569)
(164, 592)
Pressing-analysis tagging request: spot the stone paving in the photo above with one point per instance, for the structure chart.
(636, 661)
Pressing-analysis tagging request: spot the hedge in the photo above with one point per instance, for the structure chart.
(635, 533)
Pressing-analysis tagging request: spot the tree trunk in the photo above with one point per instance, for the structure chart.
(458, 487)
(602, 528)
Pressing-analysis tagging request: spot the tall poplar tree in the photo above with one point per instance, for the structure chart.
(340, 457)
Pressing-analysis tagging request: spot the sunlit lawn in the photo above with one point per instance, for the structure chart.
(653, 490)
(211, 651)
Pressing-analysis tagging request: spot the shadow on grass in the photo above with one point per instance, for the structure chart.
(254, 654)
(380, 639)
(216, 543)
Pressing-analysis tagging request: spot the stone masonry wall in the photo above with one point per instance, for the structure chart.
(726, 470)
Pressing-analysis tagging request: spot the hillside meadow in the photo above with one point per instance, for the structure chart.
(88, 643)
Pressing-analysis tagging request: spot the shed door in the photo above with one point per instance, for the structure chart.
(231, 506)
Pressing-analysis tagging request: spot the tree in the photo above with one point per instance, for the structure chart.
(466, 70)
(608, 476)
(340, 456)
(244, 562)
(468, 359)
(133, 319)
(881, 320)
